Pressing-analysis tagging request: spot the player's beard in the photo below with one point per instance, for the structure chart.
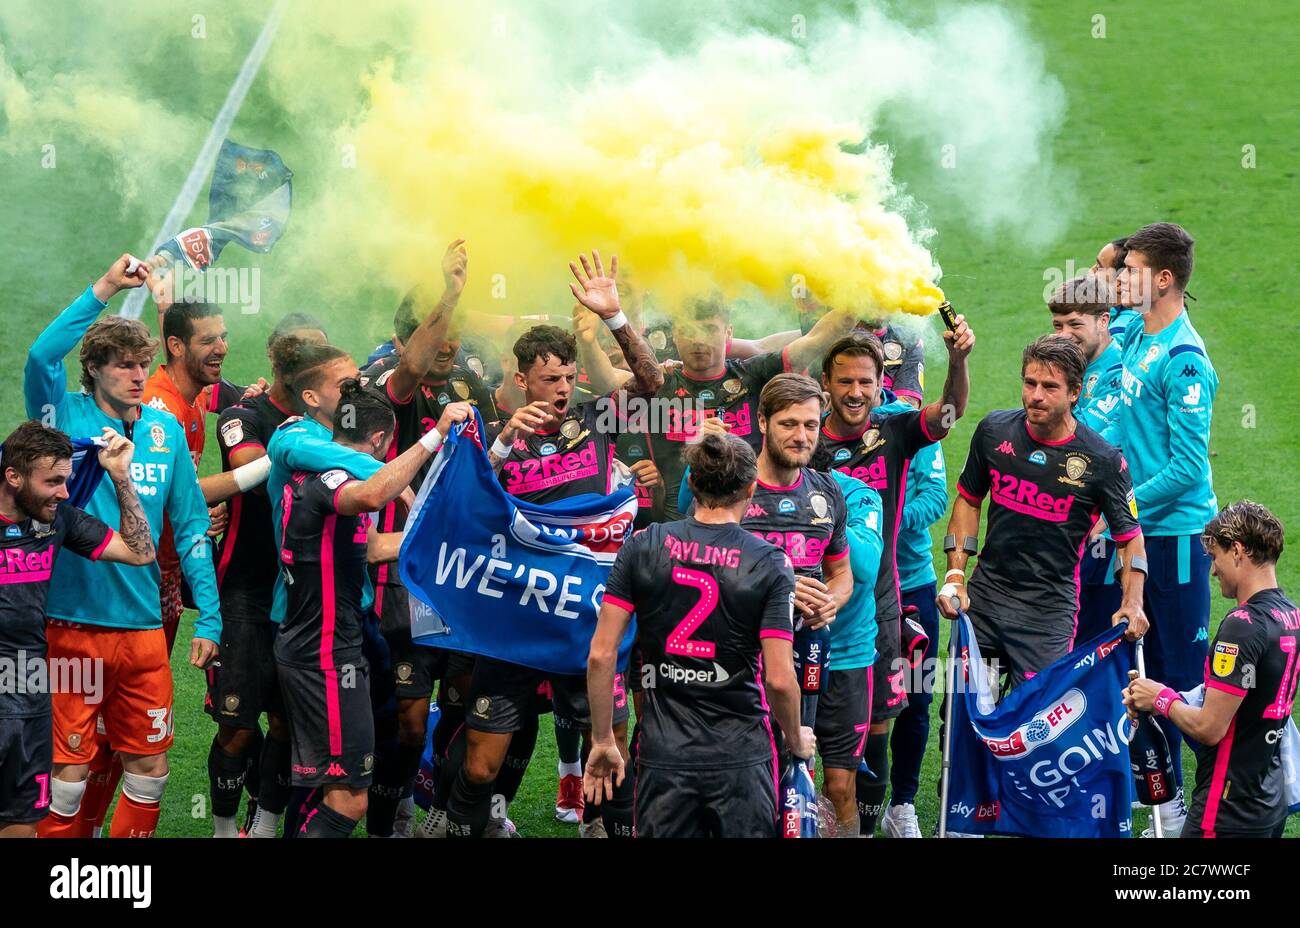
(36, 507)
(200, 371)
(784, 460)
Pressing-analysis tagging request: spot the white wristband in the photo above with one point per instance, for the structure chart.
(499, 450)
(617, 322)
(252, 474)
(431, 440)
(956, 570)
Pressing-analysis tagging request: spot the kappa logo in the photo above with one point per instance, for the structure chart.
(335, 769)
(1189, 371)
(1006, 448)
(754, 511)
(1202, 634)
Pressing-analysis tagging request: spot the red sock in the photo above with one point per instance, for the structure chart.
(105, 774)
(134, 819)
(56, 826)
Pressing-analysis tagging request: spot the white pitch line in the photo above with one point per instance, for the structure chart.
(211, 147)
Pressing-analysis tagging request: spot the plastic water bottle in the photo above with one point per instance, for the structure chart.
(798, 802)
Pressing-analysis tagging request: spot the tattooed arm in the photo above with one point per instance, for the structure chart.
(133, 543)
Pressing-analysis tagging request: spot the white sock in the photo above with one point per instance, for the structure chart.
(224, 827)
(265, 824)
(571, 770)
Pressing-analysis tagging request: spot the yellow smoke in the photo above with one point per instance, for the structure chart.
(712, 193)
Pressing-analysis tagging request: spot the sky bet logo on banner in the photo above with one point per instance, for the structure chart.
(1050, 760)
(513, 580)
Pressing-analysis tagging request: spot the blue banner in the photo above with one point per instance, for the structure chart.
(248, 203)
(1051, 759)
(505, 578)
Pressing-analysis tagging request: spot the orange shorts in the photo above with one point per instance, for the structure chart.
(134, 698)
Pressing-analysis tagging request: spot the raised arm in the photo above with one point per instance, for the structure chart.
(387, 483)
(429, 335)
(940, 417)
(600, 295)
(45, 380)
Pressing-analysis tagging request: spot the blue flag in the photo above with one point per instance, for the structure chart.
(505, 578)
(1051, 759)
(86, 471)
(248, 203)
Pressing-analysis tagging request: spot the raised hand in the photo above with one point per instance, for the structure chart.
(126, 273)
(594, 290)
(960, 342)
(455, 269)
(116, 456)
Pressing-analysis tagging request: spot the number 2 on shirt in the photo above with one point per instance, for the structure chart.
(679, 638)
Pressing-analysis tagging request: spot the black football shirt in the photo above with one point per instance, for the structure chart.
(704, 597)
(1240, 783)
(1044, 499)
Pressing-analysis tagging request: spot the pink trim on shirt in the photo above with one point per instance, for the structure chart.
(615, 601)
(1225, 687)
(1127, 536)
(794, 486)
(1043, 441)
(925, 429)
(94, 555)
(776, 633)
(969, 496)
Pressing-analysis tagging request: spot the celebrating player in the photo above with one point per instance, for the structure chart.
(1050, 477)
(120, 624)
(709, 384)
(39, 523)
(875, 442)
(324, 548)
(1164, 428)
(1250, 685)
(714, 608)
(242, 684)
(925, 502)
(551, 449)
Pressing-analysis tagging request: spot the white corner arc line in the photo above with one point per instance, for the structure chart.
(207, 156)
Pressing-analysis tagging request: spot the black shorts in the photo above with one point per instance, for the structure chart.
(26, 757)
(573, 710)
(502, 696)
(843, 717)
(331, 725)
(731, 802)
(242, 682)
(889, 673)
(415, 666)
(1020, 648)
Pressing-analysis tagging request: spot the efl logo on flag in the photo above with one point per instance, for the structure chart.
(1051, 759)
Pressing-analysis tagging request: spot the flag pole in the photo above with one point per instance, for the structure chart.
(1156, 828)
(949, 696)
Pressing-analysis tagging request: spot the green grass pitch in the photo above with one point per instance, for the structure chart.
(1157, 115)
